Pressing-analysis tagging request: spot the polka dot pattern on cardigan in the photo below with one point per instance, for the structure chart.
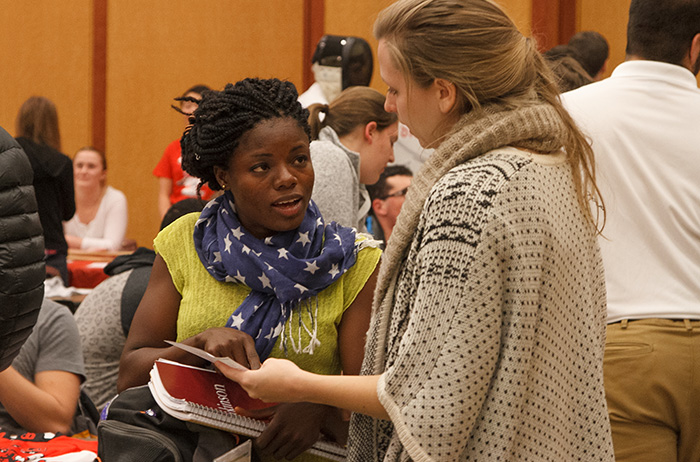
(495, 339)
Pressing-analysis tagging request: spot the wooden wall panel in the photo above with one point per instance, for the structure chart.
(610, 19)
(158, 49)
(46, 51)
(357, 18)
(521, 13)
(314, 24)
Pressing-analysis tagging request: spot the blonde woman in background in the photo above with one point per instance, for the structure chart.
(100, 219)
(488, 328)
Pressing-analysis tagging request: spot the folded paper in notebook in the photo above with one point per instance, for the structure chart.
(208, 398)
(206, 355)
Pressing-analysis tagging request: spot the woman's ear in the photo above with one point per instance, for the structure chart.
(221, 176)
(447, 95)
(369, 131)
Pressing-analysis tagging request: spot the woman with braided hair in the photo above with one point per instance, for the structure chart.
(259, 273)
(488, 325)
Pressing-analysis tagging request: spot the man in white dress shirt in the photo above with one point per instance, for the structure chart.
(644, 126)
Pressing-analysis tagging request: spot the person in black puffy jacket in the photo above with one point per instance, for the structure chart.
(22, 270)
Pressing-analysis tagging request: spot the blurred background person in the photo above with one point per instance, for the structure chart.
(101, 215)
(38, 134)
(339, 62)
(564, 63)
(39, 392)
(353, 140)
(592, 51)
(387, 196)
(104, 317)
(174, 183)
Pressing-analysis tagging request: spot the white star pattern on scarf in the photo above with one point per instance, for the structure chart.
(269, 336)
(303, 251)
(311, 267)
(210, 204)
(236, 321)
(237, 233)
(240, 277)
(334, 271)
(265, 281)
(304, 238)
(233, 206)
(276, 331)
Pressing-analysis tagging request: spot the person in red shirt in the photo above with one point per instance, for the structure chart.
(174, 183)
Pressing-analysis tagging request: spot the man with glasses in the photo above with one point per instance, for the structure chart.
(387, 196)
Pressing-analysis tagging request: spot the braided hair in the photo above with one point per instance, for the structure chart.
(222, 118)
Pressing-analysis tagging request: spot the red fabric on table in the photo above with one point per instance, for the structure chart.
(32, 446)
(86, 274)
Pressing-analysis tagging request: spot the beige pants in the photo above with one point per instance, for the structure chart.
(652, 383)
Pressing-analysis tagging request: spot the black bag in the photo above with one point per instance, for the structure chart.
(134, 428)
(86, 417)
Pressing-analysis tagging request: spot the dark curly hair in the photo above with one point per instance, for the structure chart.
(224, 116)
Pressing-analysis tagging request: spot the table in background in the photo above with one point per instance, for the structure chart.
(86, 268)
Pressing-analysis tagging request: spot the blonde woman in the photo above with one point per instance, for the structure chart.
(100, 219)
(487, 335)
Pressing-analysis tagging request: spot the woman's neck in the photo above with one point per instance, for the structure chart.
(89, 195)
(353, 140)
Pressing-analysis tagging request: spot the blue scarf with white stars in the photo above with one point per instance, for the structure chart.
(281, 270)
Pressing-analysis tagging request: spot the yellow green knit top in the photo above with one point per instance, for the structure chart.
(208, 303)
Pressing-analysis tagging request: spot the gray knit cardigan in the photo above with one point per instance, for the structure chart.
(489, 319)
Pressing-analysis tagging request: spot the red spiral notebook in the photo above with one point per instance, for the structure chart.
(208, 398)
